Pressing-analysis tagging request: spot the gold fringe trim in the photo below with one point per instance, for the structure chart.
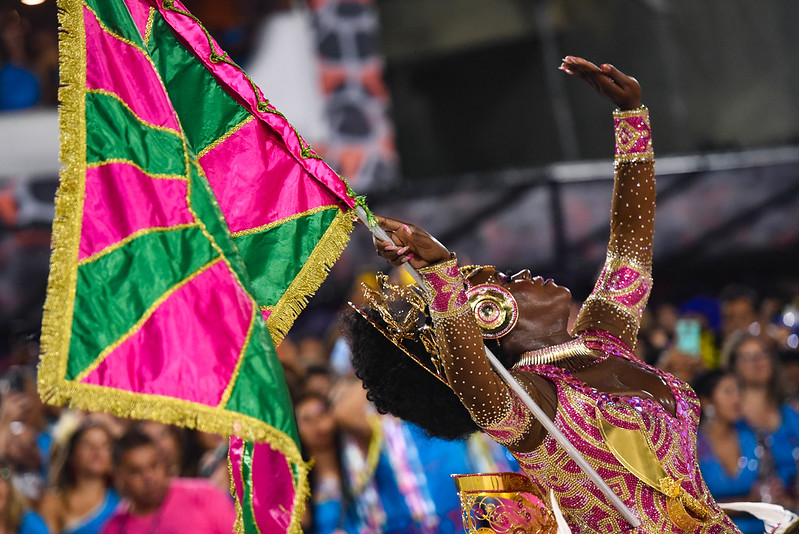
(59, 302)
(310, 277)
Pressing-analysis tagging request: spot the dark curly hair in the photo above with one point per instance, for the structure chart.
(399, 386)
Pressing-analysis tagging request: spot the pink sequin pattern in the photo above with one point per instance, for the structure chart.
(633, 135)
(673, 438)
(622, 283)
(447, 292)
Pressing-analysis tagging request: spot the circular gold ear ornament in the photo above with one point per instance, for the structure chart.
(494, 308)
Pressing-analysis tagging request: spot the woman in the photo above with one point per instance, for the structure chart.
(14, 517)
(727, 447)
(317, 430)
(776, 424)
(589, 382)
(81, 497)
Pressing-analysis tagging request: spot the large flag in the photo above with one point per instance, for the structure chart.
(192, 223)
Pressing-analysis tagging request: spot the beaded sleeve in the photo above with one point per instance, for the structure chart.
(617, 302)
(492, 406)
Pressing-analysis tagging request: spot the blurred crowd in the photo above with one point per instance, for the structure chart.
(68, 471)
(28, 62)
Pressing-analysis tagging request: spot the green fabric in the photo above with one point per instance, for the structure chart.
(113, 132)
(114, 15)
(205, 207)
(205, 109)
(260, 390)
(114, 291)
(248, 516)
(275, 257)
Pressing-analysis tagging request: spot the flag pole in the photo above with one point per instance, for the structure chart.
(538, 413)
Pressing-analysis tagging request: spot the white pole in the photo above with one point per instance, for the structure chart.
(538, 413)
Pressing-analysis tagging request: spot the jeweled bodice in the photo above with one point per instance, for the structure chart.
(671, 437)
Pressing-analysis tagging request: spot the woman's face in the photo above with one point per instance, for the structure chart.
(543, 311)
(727, 400)
(92, 454)
(753, 364)
(315, 423)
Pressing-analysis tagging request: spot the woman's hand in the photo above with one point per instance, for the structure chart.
(607, 80)
(410, 244)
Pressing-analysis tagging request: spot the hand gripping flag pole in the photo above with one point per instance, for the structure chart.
(539, 414)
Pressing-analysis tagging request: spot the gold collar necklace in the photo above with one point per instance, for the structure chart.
(570, 355)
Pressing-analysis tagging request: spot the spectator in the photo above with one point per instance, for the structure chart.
(738, 310)
(156, 502)
(776, 425)
(14, 516)
(81, 497)
(727, 447)
(319, 438)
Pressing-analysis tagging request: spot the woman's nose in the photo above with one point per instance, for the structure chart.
(524, 274)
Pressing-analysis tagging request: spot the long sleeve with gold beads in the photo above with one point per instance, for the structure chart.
(615, 306)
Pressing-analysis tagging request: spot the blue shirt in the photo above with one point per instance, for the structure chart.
(32, 524)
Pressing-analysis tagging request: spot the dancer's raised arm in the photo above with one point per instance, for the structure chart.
(621, 293)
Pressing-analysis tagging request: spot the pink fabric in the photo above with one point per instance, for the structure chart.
(243, 162)
(108, 64)
(635, 296)
(140, 11)
(273, 491)
(239, 86)
(120, 199)
(622, 278)
(191, 505)
(188, 348)
(448, 289)
(273, 487)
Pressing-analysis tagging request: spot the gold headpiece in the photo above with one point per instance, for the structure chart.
(406, 318)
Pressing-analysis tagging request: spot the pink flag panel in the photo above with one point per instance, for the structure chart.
(140, 11)
(109, 64)
(121, 199)
(273, 490)
(237, 170)
(188, 349)
(239, 86)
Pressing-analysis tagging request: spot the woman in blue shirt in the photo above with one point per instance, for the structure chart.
(734, 464)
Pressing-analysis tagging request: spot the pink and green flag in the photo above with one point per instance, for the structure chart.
(192, 224)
